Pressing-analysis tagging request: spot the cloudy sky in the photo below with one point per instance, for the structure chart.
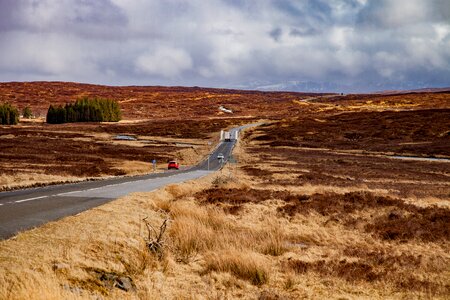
(360, 44)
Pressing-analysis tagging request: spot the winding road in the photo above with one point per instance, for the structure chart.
(24, 209)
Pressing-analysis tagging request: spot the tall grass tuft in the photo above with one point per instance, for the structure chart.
(243, 264)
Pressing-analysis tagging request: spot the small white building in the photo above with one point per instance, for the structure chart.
(225, 110)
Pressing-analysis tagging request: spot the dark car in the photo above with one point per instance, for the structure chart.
(173, 165)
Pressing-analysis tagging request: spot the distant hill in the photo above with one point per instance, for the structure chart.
(160, 103)
(423, 90)
(154, 102)
(336, 87)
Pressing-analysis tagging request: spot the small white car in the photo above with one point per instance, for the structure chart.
(220, 156)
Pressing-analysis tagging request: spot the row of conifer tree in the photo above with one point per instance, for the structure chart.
(85, 110)
(9, 115)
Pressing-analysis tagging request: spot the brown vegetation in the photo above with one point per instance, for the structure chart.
(381, 102)
(329, 215)
(315, 251)
(419, 132)
(390, 218)
(400, 222)
(85, 150)
(140, 102)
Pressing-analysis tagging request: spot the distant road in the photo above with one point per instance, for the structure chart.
(28, 208)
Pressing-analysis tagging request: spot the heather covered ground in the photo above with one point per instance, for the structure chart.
(315, 205)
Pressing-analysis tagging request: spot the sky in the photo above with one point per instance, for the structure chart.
(361, 45)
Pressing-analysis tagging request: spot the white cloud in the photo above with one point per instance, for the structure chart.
(217, 42)
(164, 61)
(45, 53)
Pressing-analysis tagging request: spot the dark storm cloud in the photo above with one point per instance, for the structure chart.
(226, 42)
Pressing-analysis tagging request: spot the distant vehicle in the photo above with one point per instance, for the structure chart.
(173, 165)
(220, 156)
(227, 136)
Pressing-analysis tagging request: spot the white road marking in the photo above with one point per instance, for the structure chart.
(30, 199)
(98, 188)
(1, 204)
(68, 193)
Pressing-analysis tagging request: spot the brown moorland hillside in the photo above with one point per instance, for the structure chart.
(418, 132)
(388, 123)
(154, 102)
(157, 102)
(380, 102)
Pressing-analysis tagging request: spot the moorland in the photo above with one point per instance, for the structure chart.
(326, 199)
(168, 123)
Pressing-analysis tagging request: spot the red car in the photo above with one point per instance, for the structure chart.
(173, 165)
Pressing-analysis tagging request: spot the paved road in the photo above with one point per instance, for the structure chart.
(28, 208)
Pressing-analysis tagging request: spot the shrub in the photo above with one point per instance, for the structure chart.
(9, 115)
(26, 113)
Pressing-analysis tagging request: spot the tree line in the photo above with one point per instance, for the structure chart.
(85, 110)
(9, 115)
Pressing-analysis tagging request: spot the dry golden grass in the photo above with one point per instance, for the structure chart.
(67, 258)
(28, 179)
(208, 253)
(135, 167)
(245, 265)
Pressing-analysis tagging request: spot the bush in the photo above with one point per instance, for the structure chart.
(9, 115)
(26, 113)
(85, 110)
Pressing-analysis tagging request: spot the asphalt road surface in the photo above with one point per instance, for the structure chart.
(24, 209)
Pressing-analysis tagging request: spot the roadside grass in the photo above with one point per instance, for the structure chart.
(81, 255)
(33, 179)
(245, 265)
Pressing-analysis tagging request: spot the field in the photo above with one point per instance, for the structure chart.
(170, 123)
(36, 153)
(317, 206)
(415, 133)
